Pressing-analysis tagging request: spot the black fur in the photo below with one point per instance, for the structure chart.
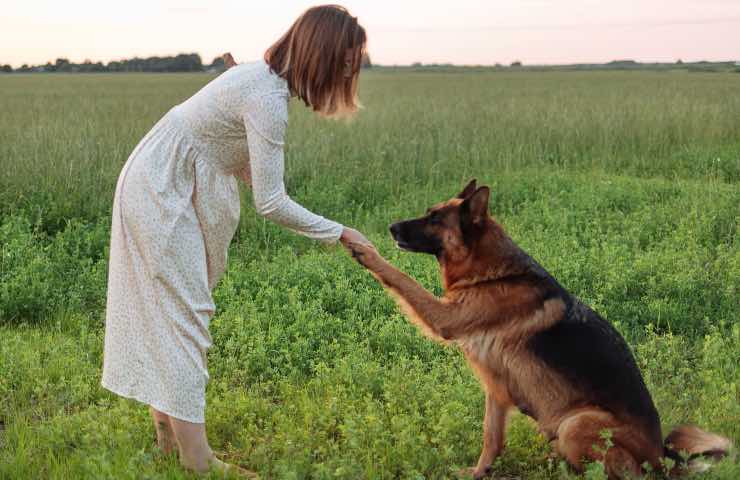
(593, 357)
(410, 236)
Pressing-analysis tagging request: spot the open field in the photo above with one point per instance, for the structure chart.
(624, 185)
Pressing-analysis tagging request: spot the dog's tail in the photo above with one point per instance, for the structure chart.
(693, 449)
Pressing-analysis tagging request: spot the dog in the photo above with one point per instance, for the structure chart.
(532, 344)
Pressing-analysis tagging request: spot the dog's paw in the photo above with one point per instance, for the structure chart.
(366, 255)
(474, 472)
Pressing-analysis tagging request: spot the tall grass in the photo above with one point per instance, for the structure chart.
(624, 185)
(63, 139)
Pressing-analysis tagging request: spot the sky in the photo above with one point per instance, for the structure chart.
(465, 32)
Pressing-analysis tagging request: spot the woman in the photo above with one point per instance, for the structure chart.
(176, 208)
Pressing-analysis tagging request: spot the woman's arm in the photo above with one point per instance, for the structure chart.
(265, 123)
(244, 173)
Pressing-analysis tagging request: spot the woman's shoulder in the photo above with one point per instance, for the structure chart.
(257, 79)
(265, 95)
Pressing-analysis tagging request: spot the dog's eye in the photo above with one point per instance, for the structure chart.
(435, 218)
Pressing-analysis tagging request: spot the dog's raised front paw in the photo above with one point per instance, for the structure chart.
(366, 255)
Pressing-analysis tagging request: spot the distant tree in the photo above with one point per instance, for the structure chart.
(133, 65)
(622, 63)
(366, 62)
(6, 69)
(86, 66)
(417, 64)
(516, 64)
(62, 65)
(217, 64)
(184, 62)
(679, 62)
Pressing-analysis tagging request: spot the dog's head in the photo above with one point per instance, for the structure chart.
(449, 230)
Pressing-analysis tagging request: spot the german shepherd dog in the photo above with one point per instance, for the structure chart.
(532, 344)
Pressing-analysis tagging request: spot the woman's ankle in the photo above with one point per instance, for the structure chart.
(197, 463)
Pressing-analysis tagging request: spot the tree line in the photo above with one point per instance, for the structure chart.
(184, 62)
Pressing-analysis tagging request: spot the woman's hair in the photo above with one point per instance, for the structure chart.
(311, 57)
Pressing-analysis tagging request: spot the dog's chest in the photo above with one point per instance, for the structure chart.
(489, 350)
(479, 347)
(532, 388)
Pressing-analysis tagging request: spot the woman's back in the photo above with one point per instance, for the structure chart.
(215, 116)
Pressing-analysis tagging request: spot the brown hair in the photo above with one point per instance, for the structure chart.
(311, 57)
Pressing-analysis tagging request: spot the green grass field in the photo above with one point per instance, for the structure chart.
(623, 185)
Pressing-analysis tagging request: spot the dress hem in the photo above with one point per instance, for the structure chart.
(153, 404)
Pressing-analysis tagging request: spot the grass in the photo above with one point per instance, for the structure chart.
(624, 185)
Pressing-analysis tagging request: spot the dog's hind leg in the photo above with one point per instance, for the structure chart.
(580, 439)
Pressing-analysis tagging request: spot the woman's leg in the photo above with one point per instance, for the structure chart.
(195, 453)
(163, 427)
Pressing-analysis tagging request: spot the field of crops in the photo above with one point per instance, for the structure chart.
(624, 185)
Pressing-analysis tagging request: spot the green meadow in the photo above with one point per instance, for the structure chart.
(624, 185)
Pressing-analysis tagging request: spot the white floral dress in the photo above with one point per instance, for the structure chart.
(175, 211)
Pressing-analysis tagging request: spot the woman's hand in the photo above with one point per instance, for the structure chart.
(367, 256)
(228, 60)
(362, 250)
(350, 235)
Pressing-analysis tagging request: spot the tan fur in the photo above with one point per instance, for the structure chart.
(693, 440)
(490, 328)
(491, 309)
(488, 322)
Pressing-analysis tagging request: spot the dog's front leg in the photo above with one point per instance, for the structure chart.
(494, 425)
(420, 306)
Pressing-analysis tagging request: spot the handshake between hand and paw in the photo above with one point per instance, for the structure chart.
(361, 249)
(355, 242)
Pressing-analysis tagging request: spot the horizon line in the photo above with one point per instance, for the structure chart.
(411, 64)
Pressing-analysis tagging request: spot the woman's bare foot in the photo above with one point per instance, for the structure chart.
(230, 469)
(190, 438)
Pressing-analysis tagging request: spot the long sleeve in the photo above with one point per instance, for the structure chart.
(265, 122)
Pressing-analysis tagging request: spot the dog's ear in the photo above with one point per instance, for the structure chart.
(474, 209)
(468, 190)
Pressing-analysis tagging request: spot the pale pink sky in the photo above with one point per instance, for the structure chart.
(400, 32)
